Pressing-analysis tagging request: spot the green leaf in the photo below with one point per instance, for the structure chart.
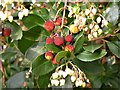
(16, 30)
(44, 80)
(44, 68)
(38, 61)
(35, 32)
(32, 21)
(92, 47)
(118, 35)
(24, 44)
(9, 53)
(35, 51)
(61, 55)
(115, 49)
(79, 40)
(16, 81)
(89, 57)
(44, 13)
(53, 47)
(113, 14)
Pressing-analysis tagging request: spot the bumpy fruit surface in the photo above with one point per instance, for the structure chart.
(6, 32)
(69, 38)
(48, 55)
(69, 47)
(58, 21)
(74, 29)
(49, 25)
(54, 61)
(49, 40)
(58, 40)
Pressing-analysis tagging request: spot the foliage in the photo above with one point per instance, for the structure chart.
(94, 51)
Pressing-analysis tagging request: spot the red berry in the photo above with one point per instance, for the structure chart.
(48, 55)
(58, 21)
(49, 40)
(54, 61)
(69, 38)
(6, 32)
(58, 40)
(69, 47)
(49, 25)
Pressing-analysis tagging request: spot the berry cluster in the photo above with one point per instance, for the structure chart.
(77, 77)
(90, 20)
(56, 39)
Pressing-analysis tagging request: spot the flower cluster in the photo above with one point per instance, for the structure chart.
(77, 77)
(90, 20)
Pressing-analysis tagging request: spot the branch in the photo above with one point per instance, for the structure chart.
(64, 13)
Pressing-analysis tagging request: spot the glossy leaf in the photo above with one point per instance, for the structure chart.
(92, 48)
(32, 21)
(16, 81)
(35, 32)
(16, 30)
(35, 51)
(44, 80)
(61, 55)
(118, 35)
(79, 43)
(24, 44)
(89, 57)
(44, 68)
(115, 49)
(53, 48)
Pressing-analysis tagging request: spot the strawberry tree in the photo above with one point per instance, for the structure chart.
(64, 44)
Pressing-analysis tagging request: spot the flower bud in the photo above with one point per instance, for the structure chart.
(73, 78)
(90, 37)
(95, 34)
(25, 12)
(99, 31)
(20, 15)
(98, 20)
(96, 27)
(105, 22)
(87, 11)
(55, 75)
(86, 29)
(62, 82)
(10, 18)
(83, 20)
(69, 71)
(3, 17)
(91, 26)
(94, 11)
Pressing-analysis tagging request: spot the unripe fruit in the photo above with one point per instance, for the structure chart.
(49, 26)
(69, 48)
(48, 55)
(74, 29)
(58, 21)
(69, 38)
(58, 40)
(6, 32)
(49, 40)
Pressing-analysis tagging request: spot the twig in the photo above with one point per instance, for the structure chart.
(102, 37)
(64, 14)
